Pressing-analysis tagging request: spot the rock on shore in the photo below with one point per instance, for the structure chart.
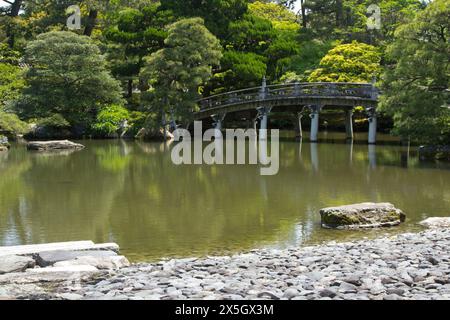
(54, 145)
(436, 223)
(408, 266)
(4, 144)
(364, 215)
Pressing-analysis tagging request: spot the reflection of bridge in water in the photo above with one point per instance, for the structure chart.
(299, 98)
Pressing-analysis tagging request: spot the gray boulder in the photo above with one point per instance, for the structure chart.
(4, 144)
(364, 215)
(435, 223)
(54, 145)
(9, 264)
(101, 263)
(49, 258)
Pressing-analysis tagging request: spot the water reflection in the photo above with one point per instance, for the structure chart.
(131, 193)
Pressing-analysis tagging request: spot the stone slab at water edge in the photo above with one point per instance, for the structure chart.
(57, 262)
(363, 215)
(54, 145)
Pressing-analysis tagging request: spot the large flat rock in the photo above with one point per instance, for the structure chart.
(13, 263)
(54, 145)
(49, 258)
(363, 215)
(59, 246)
(50, 275)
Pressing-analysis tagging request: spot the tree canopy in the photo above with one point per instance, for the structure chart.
(417, 81)
(353, 62)
(66, 75)
(176, 73)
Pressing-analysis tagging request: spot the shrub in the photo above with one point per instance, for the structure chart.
(110, 120)
(10, 123)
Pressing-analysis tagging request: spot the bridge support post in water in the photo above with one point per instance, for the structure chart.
(349, 124)
(218, 123)
(315, 110)
(372, 126)
(264, 115)
(299, 134)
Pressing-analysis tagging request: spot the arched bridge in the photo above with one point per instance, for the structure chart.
(302, 98)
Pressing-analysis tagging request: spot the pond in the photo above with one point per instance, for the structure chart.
(132, 194)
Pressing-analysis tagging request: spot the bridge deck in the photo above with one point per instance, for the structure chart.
(346, 95)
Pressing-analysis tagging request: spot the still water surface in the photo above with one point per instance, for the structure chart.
(132, 194)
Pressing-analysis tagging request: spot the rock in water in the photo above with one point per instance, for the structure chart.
(54, 145)
(9, 264)
(4, 144)
(436, 223)
(364, 215)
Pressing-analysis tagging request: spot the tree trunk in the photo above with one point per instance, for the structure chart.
(91, 23)
(15, 10)
(304, 22)
(339, 13)
(130, 89)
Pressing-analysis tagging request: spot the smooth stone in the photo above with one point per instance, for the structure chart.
(347, 288)
(397, 291)
(290, 293)
(101, 263)
(268, 295)
(435, 223)
(70, 296)
(328, 293)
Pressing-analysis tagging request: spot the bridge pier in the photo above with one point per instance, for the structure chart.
(299, 134)
(373, 121)
(315, 110)
(349, 124)
(218, 124)
(264, 115)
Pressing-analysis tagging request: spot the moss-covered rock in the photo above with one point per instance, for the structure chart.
(364, 215)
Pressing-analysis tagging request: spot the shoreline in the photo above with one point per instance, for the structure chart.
(412, 266)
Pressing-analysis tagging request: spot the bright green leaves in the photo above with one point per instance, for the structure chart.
(353, 62)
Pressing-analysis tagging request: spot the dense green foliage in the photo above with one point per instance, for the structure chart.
(66, 75)
(143, 61)
(111, 120)
(353, 62)
(176, 73)
(417, 82)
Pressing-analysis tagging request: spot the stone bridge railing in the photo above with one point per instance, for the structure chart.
(294, 90)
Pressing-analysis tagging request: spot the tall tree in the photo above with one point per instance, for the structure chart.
(67, 75)
(218, 14)
(12, 12)
(416, 84)
(134, 34)
(177, 72)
